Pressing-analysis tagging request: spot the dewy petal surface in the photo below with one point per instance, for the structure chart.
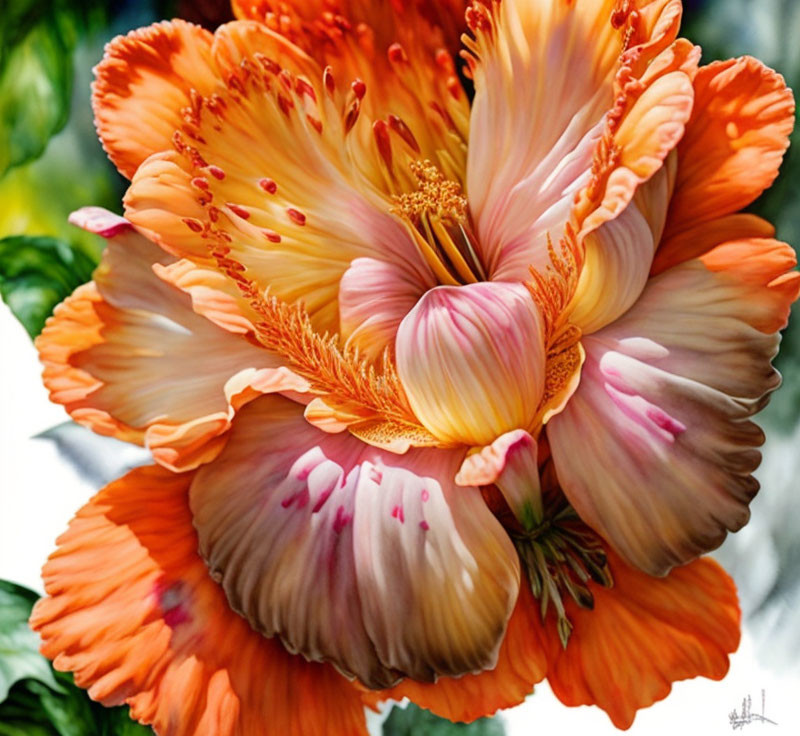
(655, 449)
(128, 355)
(374, 561)
(471, 359)
(134, 614)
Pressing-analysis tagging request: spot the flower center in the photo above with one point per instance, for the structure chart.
(560, 556)
(437, 219)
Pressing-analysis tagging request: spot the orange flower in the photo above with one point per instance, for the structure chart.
(444, 396)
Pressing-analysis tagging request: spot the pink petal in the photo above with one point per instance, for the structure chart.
(655, 449)
(374, 561)
(471, 359)
(374, 296)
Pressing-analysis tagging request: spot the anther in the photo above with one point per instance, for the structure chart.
(296, 216)
(268, 185)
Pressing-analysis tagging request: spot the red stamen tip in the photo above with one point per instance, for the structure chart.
(397, 54)
(238, 210)
(359, 88)
(328, 80)
(268, 185)
(296, 216)
(216, 172)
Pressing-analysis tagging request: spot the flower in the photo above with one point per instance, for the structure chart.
(444, 396)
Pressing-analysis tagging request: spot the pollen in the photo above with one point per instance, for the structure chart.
(435, 195)
(437, 218)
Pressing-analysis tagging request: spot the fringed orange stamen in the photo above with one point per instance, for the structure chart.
(341, 375)
(553, 290)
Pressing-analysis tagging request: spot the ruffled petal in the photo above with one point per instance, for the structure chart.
(734, 143)
(129, 357)
(524, 54)
(655, 449)
(373, 561)
(134, 614)
(374, 296)
(697, 240)
(142, 84)
(262, 174)
(472, 361)
(521, 664)
(642, 635)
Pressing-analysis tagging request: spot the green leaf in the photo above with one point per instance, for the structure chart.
(34, 699)
(64, 714)
(35, 88)
(19, 646)
(414, 721)
(36, 273)
(36, 44)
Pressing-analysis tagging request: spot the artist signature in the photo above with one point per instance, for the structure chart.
(740, 720)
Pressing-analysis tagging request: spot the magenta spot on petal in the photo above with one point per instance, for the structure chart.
(397, 513)
(172, 600)
(425, 495)
(375, 475)
(665, 421)
(424, 525)
(342, 520)
(299, 499)
(324, 496)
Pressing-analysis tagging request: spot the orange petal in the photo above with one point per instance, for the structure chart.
(644, 634)
(648, 121)
(521, 664)
(701, 238)
(734, 142)
(766, 268)
(311, 24)
(403, 52)
(655, 449)
(263, 174)
(129, 356)
(141, 86)
(134, 614)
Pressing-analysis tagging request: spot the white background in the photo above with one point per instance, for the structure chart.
(39, 492)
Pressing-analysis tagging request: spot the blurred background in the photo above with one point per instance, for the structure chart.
(51, 164)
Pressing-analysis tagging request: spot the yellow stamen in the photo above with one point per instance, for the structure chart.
(435, 196)
(435, 215)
